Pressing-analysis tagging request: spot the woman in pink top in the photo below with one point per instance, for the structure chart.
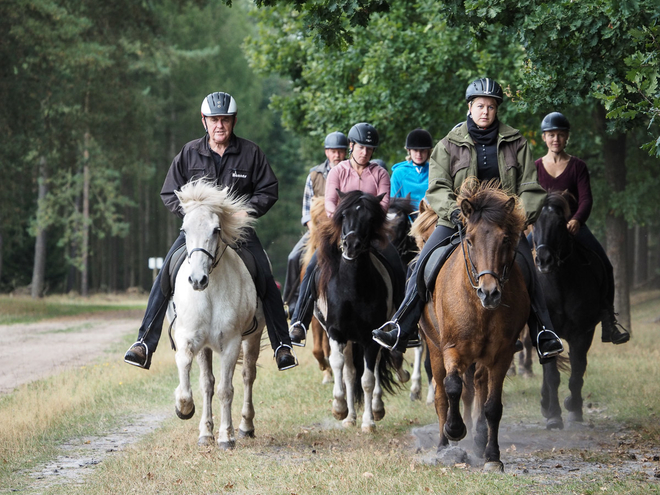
(559, 171)
(356, 173)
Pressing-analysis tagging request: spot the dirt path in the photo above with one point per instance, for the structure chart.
(33, 351)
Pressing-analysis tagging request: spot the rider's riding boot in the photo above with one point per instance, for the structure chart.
(612, 330)
(548, 345)
(395, 333)
(138, 355)
(284, 358)
(302, 315)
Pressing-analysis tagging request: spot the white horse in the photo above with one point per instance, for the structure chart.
(215, 308)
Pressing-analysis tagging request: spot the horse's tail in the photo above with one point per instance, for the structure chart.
(386, 370)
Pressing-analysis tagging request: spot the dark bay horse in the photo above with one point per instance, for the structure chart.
(475, 316)
(356, 295)
(398, 216)
(574, 282)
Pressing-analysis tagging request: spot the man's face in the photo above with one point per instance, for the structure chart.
(335, 155)
(419, 157)
(220, 128)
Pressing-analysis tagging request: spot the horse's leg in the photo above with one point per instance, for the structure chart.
(371, 388)
(493, 413)
(339, 407)
(416, 379)
(320, 342)
(206, 384)
(251, 347)
(397, 361)
(454, 427)
(468, 396)
(480, 435)
(228, 359)
(440, 399)
(550, 396)
(184, 404)
(525, 357)
(430, 393)
(578, 356)
(350, 374)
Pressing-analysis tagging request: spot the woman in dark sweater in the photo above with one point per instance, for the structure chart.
(559, 171)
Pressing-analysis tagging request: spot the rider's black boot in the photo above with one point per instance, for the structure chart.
(395, 333)
(138, 355)
(612, 330)
(284, 358)
(302, 314)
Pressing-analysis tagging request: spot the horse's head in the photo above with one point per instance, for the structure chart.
(494, 222)
(551, 235)
(360, 219)
(398, 219)
(213, 219)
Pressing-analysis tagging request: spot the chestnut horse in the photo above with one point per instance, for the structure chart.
(475, 314)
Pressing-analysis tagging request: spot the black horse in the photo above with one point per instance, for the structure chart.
(574, 282)
(398, 216)
(356, 294)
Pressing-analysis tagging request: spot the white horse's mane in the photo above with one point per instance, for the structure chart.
(201, 193)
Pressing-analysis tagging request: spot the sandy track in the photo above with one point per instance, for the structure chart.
(33, 351)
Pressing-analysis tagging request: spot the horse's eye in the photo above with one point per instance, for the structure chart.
(217, 230)
(506, 240)
(358, 207)
(469, 242)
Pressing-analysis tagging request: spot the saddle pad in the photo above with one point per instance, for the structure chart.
(258, 277)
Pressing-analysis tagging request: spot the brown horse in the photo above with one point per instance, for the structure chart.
(321, 344)
(471, 320)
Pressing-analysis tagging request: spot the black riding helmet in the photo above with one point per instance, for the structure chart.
(364, 134)
(336, 140)
(419, 139)
(484, 87)
(217, 104)
(555, 121)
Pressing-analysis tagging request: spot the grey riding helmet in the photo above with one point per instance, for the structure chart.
(419, 139)
(336, 140)
(484, 87)
(217, 104)
(364, 134)
(555, 121)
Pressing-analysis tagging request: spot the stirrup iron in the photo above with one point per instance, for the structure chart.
(398, 335)
(551, 354)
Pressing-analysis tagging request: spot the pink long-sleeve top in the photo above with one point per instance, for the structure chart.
(374, 180)
(575, 179)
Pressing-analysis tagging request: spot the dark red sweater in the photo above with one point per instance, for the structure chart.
(575, 179)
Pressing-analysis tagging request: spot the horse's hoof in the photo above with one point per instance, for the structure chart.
(455, 436)
(368, 428)
(245, 434)
(404, 376)
(227, 445)
(348, 423)
(205, 441)
(575, 417)
(340, 415)
(555, 423)
(379, 414)
(327, 378)
(493, 467)
(415, 396)
(185, 416)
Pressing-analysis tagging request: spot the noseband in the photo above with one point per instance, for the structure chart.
(215, 259)
(556, 254)
(471, 269)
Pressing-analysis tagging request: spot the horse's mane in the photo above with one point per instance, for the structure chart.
(401, 205)
(318, 216)
(328, 251)
(559, 200)
(488, 200)
(423, 224)
(201, 193)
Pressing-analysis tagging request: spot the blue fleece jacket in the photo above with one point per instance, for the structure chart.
(409, 178)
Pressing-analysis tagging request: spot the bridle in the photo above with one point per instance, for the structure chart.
(215, 259)
(471, 268)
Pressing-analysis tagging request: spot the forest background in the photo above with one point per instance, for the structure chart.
(97, 97)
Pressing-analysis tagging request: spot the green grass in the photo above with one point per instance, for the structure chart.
(23, 309)
(299, 448)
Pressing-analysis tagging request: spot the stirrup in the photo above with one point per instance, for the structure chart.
(147, 359)
(303, 341)
(295, 358)
(381, 342)
(549, 354)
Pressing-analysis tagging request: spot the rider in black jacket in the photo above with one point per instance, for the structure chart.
(221, 157)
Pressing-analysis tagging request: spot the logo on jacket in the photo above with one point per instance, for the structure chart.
(238, 175)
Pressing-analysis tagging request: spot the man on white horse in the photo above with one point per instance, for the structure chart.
(224, 158)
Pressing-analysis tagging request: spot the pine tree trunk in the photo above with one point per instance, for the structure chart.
(641, 255)
(614, 153)
(39, 267)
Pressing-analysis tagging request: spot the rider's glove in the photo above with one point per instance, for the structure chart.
(455, 218)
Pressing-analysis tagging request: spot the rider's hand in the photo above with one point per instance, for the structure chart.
(573, 226)
(455, 218)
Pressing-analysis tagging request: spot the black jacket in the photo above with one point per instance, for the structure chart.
(243, 168)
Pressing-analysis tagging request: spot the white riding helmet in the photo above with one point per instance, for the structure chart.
(217, 104)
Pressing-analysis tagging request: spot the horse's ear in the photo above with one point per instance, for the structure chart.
(340, 194)
(467, 208)
(380, 197)
(423, 206)
(510, 205)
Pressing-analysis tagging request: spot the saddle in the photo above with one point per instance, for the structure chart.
(431, 265)
(171, 269)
